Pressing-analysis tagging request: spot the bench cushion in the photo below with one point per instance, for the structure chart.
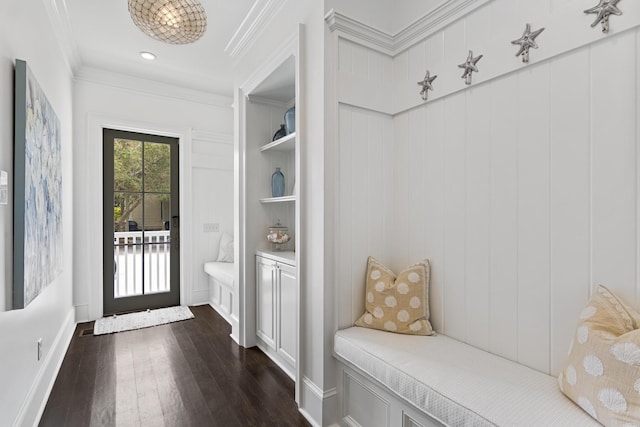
(457, 384)
(223, 272)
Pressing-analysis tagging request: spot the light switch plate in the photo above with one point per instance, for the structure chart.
(211, 228)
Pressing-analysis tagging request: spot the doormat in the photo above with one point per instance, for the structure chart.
(143, 319)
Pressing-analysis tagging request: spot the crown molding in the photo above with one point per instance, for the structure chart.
(256, 21)
(438, 18)
(373, 37)
(61, 26)
(151, 87)
(266, 101)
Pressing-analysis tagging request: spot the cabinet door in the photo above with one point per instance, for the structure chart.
(288, 309)
(265, 300)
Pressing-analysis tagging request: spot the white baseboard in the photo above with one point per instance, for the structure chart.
(234, 327)
(316, 404)
(82, 313)
(225, 314)
(36, 400)
(200, 297)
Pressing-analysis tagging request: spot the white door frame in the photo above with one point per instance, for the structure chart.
(93, 209)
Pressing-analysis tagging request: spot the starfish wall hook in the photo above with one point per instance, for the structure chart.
(604, 9)
(469, 67)
(426, 85)
(528, 40)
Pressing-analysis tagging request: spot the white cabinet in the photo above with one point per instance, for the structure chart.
(276, 308)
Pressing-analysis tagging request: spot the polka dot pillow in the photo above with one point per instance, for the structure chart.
(602, 373)
(397, 303)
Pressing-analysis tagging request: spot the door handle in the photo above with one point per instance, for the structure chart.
(175, 230)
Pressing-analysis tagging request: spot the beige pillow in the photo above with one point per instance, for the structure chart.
(602, 373)
(397, 304)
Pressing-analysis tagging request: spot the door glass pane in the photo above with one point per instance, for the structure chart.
(127, 257)
(157, 212)
(157, 263)
(127, 165)
(127, 212)
(157, 243)
(157, 167)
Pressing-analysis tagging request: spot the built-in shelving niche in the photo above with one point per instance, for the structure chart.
(263, 101)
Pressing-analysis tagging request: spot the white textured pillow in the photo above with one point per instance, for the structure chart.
(602, 372)
(225, 251)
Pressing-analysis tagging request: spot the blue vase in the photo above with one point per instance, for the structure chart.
(290, 120)
(277, 184)
(282, 132)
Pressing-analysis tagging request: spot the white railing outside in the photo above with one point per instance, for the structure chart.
(132, 258)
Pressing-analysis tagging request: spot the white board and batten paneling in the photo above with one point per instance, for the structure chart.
(521, 189)
(212, 181)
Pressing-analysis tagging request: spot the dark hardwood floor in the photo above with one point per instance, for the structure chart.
(187, 373)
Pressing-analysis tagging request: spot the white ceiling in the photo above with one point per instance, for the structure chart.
(102, 35)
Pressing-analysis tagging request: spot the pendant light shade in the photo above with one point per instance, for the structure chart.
(170, 21)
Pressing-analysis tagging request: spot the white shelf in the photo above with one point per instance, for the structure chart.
(278, 199)
(286, 143)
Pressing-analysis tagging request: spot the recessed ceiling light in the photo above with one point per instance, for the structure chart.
(148, 55)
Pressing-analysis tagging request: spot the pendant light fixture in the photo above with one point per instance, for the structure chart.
(170, 21)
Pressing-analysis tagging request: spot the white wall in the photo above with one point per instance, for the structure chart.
(27, 34)
(204, 124)
(521, 189)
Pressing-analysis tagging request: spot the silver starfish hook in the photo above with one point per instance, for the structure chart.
(426, 85)
(604, 9)
(469, 67)
(527, 41)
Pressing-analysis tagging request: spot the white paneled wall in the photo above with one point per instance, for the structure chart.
(212, 182)
(521, 189)
(364, 74)
(366, 198)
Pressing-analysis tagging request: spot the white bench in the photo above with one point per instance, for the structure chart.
(221, 283)
(400, 380)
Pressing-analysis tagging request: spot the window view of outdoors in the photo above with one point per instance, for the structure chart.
(141, 217)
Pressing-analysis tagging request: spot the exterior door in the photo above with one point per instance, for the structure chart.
(141, 221)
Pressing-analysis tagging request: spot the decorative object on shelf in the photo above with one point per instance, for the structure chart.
(280, 133)
(278, 235)
(169, 21)
(604, 9)
(527, 41)
(426, 85)
(290, 120)
(277, 183)
(469, 67)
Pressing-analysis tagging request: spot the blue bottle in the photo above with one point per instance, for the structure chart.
(277, 183)
(290, 120)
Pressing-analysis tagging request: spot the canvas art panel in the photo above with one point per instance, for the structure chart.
(38, 245)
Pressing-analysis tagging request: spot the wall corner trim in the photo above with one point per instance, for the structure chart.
(436, 19)
(61, 26)
(314, 400)
(258, 18)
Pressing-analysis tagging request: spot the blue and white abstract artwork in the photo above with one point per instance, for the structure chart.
(39, 229)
